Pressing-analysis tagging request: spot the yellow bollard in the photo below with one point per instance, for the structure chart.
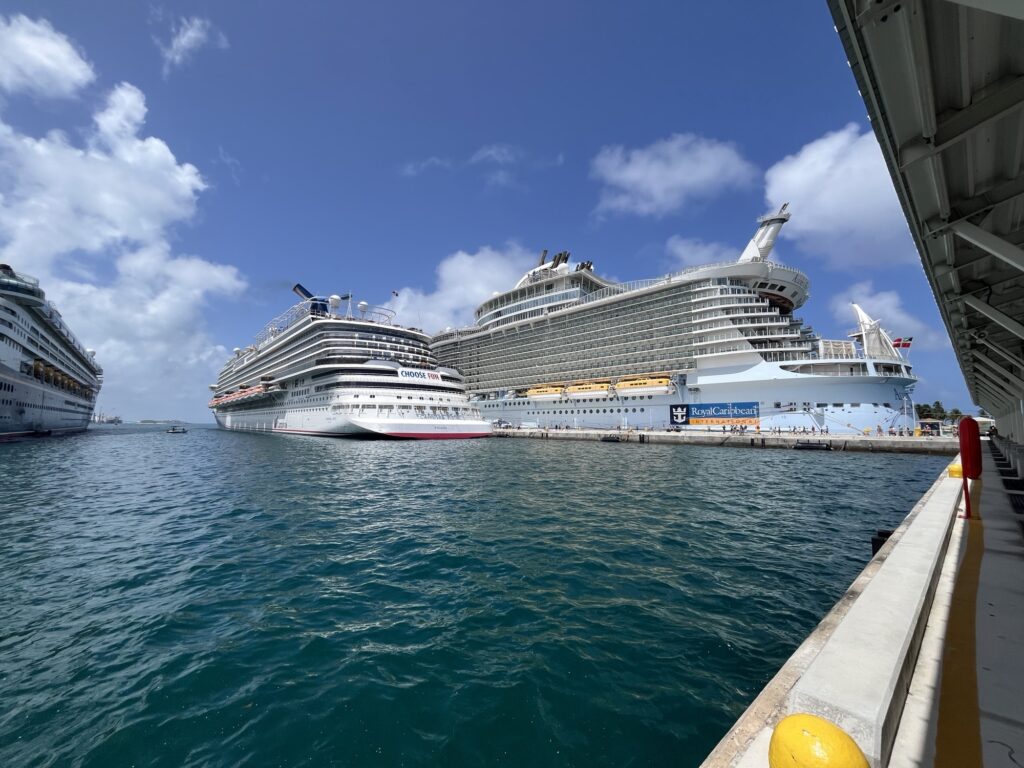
(808, 741)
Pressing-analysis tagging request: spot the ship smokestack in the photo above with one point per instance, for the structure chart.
(763, 241)
(543, 257)
(300, 289)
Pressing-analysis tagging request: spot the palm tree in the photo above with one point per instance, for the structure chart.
(924, 411)
(955, 415)
(938, 411)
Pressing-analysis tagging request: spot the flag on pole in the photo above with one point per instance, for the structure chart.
(902, 343)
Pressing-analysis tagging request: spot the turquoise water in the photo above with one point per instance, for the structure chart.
(225, 599)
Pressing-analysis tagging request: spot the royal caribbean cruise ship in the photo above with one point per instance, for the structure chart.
(707, 347)
(314, 371)
(48, 380)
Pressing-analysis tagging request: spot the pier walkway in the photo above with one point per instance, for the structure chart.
(922, 660)
(941, 446)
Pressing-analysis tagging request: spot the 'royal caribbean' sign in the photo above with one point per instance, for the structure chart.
(715, 413)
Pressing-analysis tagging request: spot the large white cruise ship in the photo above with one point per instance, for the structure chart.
(707, 347)
(315, 371)
(48, 380)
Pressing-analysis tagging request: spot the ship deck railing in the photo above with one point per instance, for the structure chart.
(288, 318)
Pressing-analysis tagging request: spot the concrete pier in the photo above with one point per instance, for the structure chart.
(938, 446)
(920, 660)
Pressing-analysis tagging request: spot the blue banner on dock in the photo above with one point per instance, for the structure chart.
(715, 413)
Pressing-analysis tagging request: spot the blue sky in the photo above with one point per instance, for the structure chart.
(170, 171)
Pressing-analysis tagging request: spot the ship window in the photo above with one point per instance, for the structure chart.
(855, 405)
(641, 410)
(778, 405)
(837, 405)
(821, 405)
(887, 405)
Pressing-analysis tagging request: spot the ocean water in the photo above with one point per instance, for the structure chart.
(226, 599)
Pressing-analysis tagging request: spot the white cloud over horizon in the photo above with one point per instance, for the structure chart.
(844, 208)
(464, 280)
(667, 175)
(887, 307)
(93, 222)
(188, 36)
(37, 59)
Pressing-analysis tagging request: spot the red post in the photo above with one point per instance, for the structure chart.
(970, 456)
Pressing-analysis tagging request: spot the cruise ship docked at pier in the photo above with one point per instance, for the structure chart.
(314, 371)
(707, 347)
(48, 380)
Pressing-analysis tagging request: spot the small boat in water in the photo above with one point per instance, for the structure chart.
(177, 431)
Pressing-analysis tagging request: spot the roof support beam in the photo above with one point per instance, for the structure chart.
(967, 208)
(1011, 380)
(996, 387)
(998, 349)
(1011, 8)
(994, 315)
(1004, 98)
(990, 243)
(999, 397)
(1001, 400)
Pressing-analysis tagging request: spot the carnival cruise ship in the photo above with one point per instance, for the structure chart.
(316, 371)
(711, 346)
(48, 380)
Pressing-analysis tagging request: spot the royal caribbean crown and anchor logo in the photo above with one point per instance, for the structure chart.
(696, 414)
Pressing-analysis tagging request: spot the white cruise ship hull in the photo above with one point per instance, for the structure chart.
(842, 405)
(48, 379)
(324, 423)
(28, 409)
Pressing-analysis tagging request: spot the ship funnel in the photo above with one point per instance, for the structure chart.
(300, 289)
(763, 241)
(543, 257)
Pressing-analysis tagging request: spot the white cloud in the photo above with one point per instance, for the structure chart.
(665, 176)
(688, 252)
(464, 280)
(117, 189)
(93, 222)
(887, 307)
(499, 154)
(501, 177)
(502, 158)
(188, 36)
(35, 58)
(416, 167)
(231, 163)
(844, 206)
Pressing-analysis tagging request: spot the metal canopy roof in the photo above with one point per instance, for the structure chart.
(943, 81)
